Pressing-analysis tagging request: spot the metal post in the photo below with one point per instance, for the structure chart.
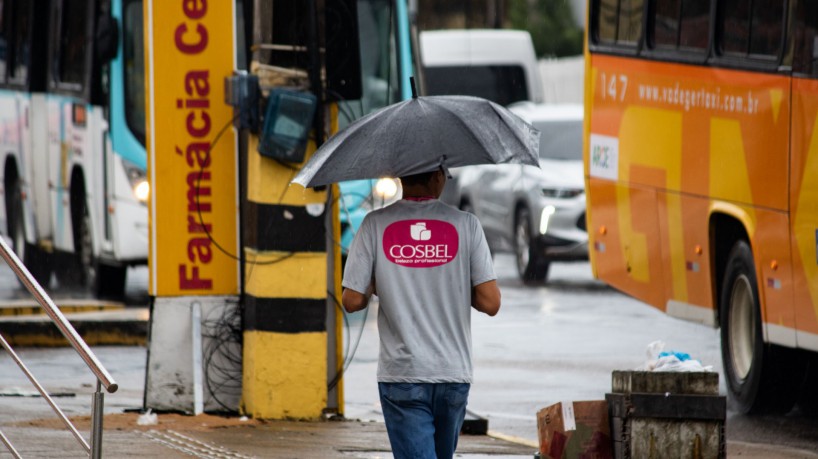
(9, 446)
(196, 329)
(97, 406)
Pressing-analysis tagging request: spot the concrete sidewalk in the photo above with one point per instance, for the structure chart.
(207, 436)
(212, 436)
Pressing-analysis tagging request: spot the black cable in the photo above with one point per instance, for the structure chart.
(222, 355)
(350, 351)
(339, 372)
(343, 106)
(199, 208)
(198, 186)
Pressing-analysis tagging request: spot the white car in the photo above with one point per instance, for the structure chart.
(539, 214)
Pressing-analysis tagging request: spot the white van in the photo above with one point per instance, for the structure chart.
(496, 64)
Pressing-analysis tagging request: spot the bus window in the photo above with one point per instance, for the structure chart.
(763, 17)
(73, 34)
(630, 21)
(805, 32)
(4, 38)
(134, 62)
(679, 24)
(619, 21)
(21, 20)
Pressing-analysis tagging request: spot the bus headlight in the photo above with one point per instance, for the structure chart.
(142, 191)
(386, 188)
(138, 179)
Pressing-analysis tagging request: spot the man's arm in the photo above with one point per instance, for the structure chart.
(354, 301)
(485, 297)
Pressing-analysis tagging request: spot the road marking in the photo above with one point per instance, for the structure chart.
(191, 446)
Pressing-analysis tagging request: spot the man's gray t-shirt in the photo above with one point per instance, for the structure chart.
(425, 257)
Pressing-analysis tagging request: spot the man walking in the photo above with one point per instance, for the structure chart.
(429, 264)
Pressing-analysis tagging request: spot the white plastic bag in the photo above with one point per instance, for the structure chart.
(147, 419)
(659, 360)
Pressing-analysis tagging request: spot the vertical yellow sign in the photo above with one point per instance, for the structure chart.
(191, 148)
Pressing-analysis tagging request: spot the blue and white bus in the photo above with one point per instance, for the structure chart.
(71, 139)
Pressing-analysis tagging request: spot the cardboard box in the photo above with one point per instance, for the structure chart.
(569, 430)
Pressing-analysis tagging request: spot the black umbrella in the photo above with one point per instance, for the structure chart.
(420, 135)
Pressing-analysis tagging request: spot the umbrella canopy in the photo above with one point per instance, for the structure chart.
(420, 135)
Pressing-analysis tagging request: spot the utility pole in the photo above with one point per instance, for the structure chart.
(285, 357)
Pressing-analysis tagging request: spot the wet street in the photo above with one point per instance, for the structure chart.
(550, 343)
(561, 341)
(547, 344)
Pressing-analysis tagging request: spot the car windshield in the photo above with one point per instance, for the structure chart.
(560, 140)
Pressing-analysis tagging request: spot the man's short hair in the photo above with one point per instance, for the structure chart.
(417, 179)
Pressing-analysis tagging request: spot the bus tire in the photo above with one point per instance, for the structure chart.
(103, 280)
(36, 260)
(111, 281)
(760, 377)
(84, 246)
(531, 265)
(808, 396)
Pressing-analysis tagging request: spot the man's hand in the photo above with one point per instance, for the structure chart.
(485, 297)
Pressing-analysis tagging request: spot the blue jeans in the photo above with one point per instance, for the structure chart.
(423, 420)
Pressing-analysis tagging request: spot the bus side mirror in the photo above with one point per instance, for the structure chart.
(106, 40)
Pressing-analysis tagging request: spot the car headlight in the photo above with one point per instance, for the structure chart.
(138, 179)
(562, 193)
(545, 217)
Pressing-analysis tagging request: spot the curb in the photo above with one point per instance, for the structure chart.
(121, 326)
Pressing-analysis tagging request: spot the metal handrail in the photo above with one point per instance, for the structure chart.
(57, 317)
(80, 346)
(45, 395)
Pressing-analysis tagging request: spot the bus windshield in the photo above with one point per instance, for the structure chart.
(379, 68)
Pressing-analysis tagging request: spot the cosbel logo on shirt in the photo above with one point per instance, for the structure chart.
(420, 243)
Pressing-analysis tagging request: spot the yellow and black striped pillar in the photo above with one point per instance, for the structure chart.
(285, 280)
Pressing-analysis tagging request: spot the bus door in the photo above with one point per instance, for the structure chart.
(803, 183)
(71, 118)
(84, 172)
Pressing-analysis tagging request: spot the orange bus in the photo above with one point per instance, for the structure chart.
(701, 169)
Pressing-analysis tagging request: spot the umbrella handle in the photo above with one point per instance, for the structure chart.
(443, 167)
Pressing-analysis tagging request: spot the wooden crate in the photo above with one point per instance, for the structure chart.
(666, 414)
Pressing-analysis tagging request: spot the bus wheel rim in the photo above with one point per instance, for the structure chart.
(742, 327)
